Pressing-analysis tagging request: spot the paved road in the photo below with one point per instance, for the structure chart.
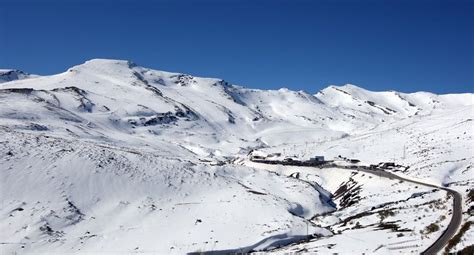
(456, 219)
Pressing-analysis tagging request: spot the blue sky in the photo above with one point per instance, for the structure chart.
(303, 45)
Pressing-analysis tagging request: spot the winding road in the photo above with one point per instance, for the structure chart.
(435, 248)
(456, 219)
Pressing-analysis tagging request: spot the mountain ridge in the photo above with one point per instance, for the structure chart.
(130, 64)
(118, 96)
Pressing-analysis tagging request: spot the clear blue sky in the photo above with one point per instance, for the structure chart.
(380, 45)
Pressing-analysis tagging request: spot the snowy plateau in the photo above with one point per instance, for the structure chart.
(111, 157)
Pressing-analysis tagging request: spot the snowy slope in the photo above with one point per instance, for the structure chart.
(75, 196)
(116, 156)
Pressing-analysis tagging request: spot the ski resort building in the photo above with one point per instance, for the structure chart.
(317, 159)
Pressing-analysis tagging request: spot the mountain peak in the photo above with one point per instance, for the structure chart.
(7, 75)
(105, 61)
(101, 63)
(113, 68)
(347, 88)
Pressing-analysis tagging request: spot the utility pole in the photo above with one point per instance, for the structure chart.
(404, 151)
(307, 229)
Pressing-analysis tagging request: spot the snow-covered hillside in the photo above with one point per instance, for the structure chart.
(111, 156)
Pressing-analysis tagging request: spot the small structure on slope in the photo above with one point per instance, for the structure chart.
(316, 159)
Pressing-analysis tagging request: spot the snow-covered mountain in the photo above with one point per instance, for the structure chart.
(111, 156)
(12, 75)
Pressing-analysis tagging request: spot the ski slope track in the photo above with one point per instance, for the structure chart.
(109, 156)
